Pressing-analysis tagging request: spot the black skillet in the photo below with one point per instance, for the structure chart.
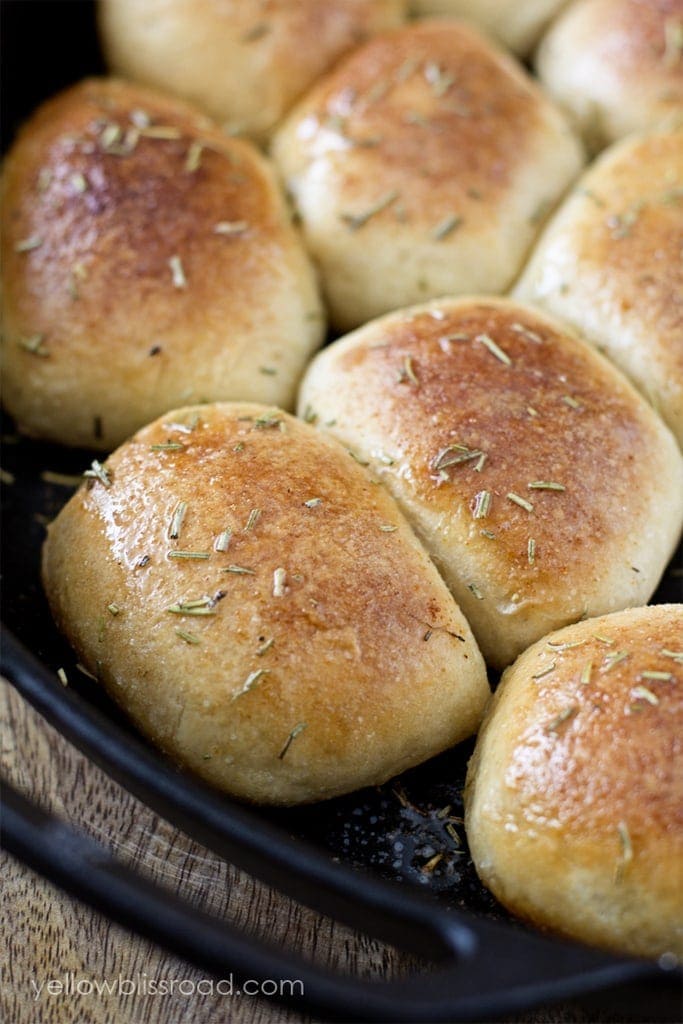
(369, 860)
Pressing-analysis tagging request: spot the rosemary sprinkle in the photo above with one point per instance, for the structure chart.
(494, 349)
(522, 502)
(279, 578)
(177, 519)
(200, 555)
(292, 736)
(482, 504)
(189, 638)
(222, 542)
(98, 472)
(642, 693)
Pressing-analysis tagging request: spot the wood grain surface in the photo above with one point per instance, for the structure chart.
(49, 935)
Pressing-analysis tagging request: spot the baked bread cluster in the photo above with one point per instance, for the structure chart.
(545, 488)
(615, 66)
(293, 608)
(574, 794)
(260, 608)
(148, 261)
(424, 164)
(242, 61)
(610, 265)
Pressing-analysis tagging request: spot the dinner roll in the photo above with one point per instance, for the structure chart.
(260, 608)
(611, 265)
(422, 165)
(544, 487)
(243, 61)
(516, 25)
(574, 800)
(148, 260)
(616, 66)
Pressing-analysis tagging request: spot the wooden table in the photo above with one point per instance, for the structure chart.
(52, 936)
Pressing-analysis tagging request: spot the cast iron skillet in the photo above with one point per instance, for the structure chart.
(369, 860)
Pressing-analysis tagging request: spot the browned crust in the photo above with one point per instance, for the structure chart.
(557, 413)
(135, 270)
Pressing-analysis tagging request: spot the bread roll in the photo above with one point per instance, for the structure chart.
(574, 796)
(148, 260)
(544, 486)
(616, 66)
(260, 608)
(243, 61)
(422, 165)
(610, 264)
(515, 24)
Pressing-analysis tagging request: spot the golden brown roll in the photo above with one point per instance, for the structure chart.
(610, 264)
(574, 796)
(422, 165)
(515, 24)
(260, 608)
(148, 261)
(616, 66)
(244, 61)
(544, 487)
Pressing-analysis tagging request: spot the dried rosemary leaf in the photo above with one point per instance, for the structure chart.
(189, 638)
(358, 220)
(545, 485)
(199, 606)
(494, 349)
(292, 736)
(197, 555)
(531, 551)
(177, 272)
(28, 244)
(222, 542)
(279, 579)
(240, 570)
(545, 671)
(446, 227)
(98, 472)
(522, 502)
(476, 591)
(230, 227)
(559, 720)
(642, 693)
(249, 682)
(194, 157)
(482, 504)
(177, 520)
(665, 677)
(34, 345)
(254, 517)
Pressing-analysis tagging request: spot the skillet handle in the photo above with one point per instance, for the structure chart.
(495, 976)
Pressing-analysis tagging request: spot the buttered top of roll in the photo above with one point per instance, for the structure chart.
(615, 65)
(147, 258)
(422, 165)
(574, 801)
(541, 482)
(517, 25)
(243, 61)
(260, 607)
(610, 264)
